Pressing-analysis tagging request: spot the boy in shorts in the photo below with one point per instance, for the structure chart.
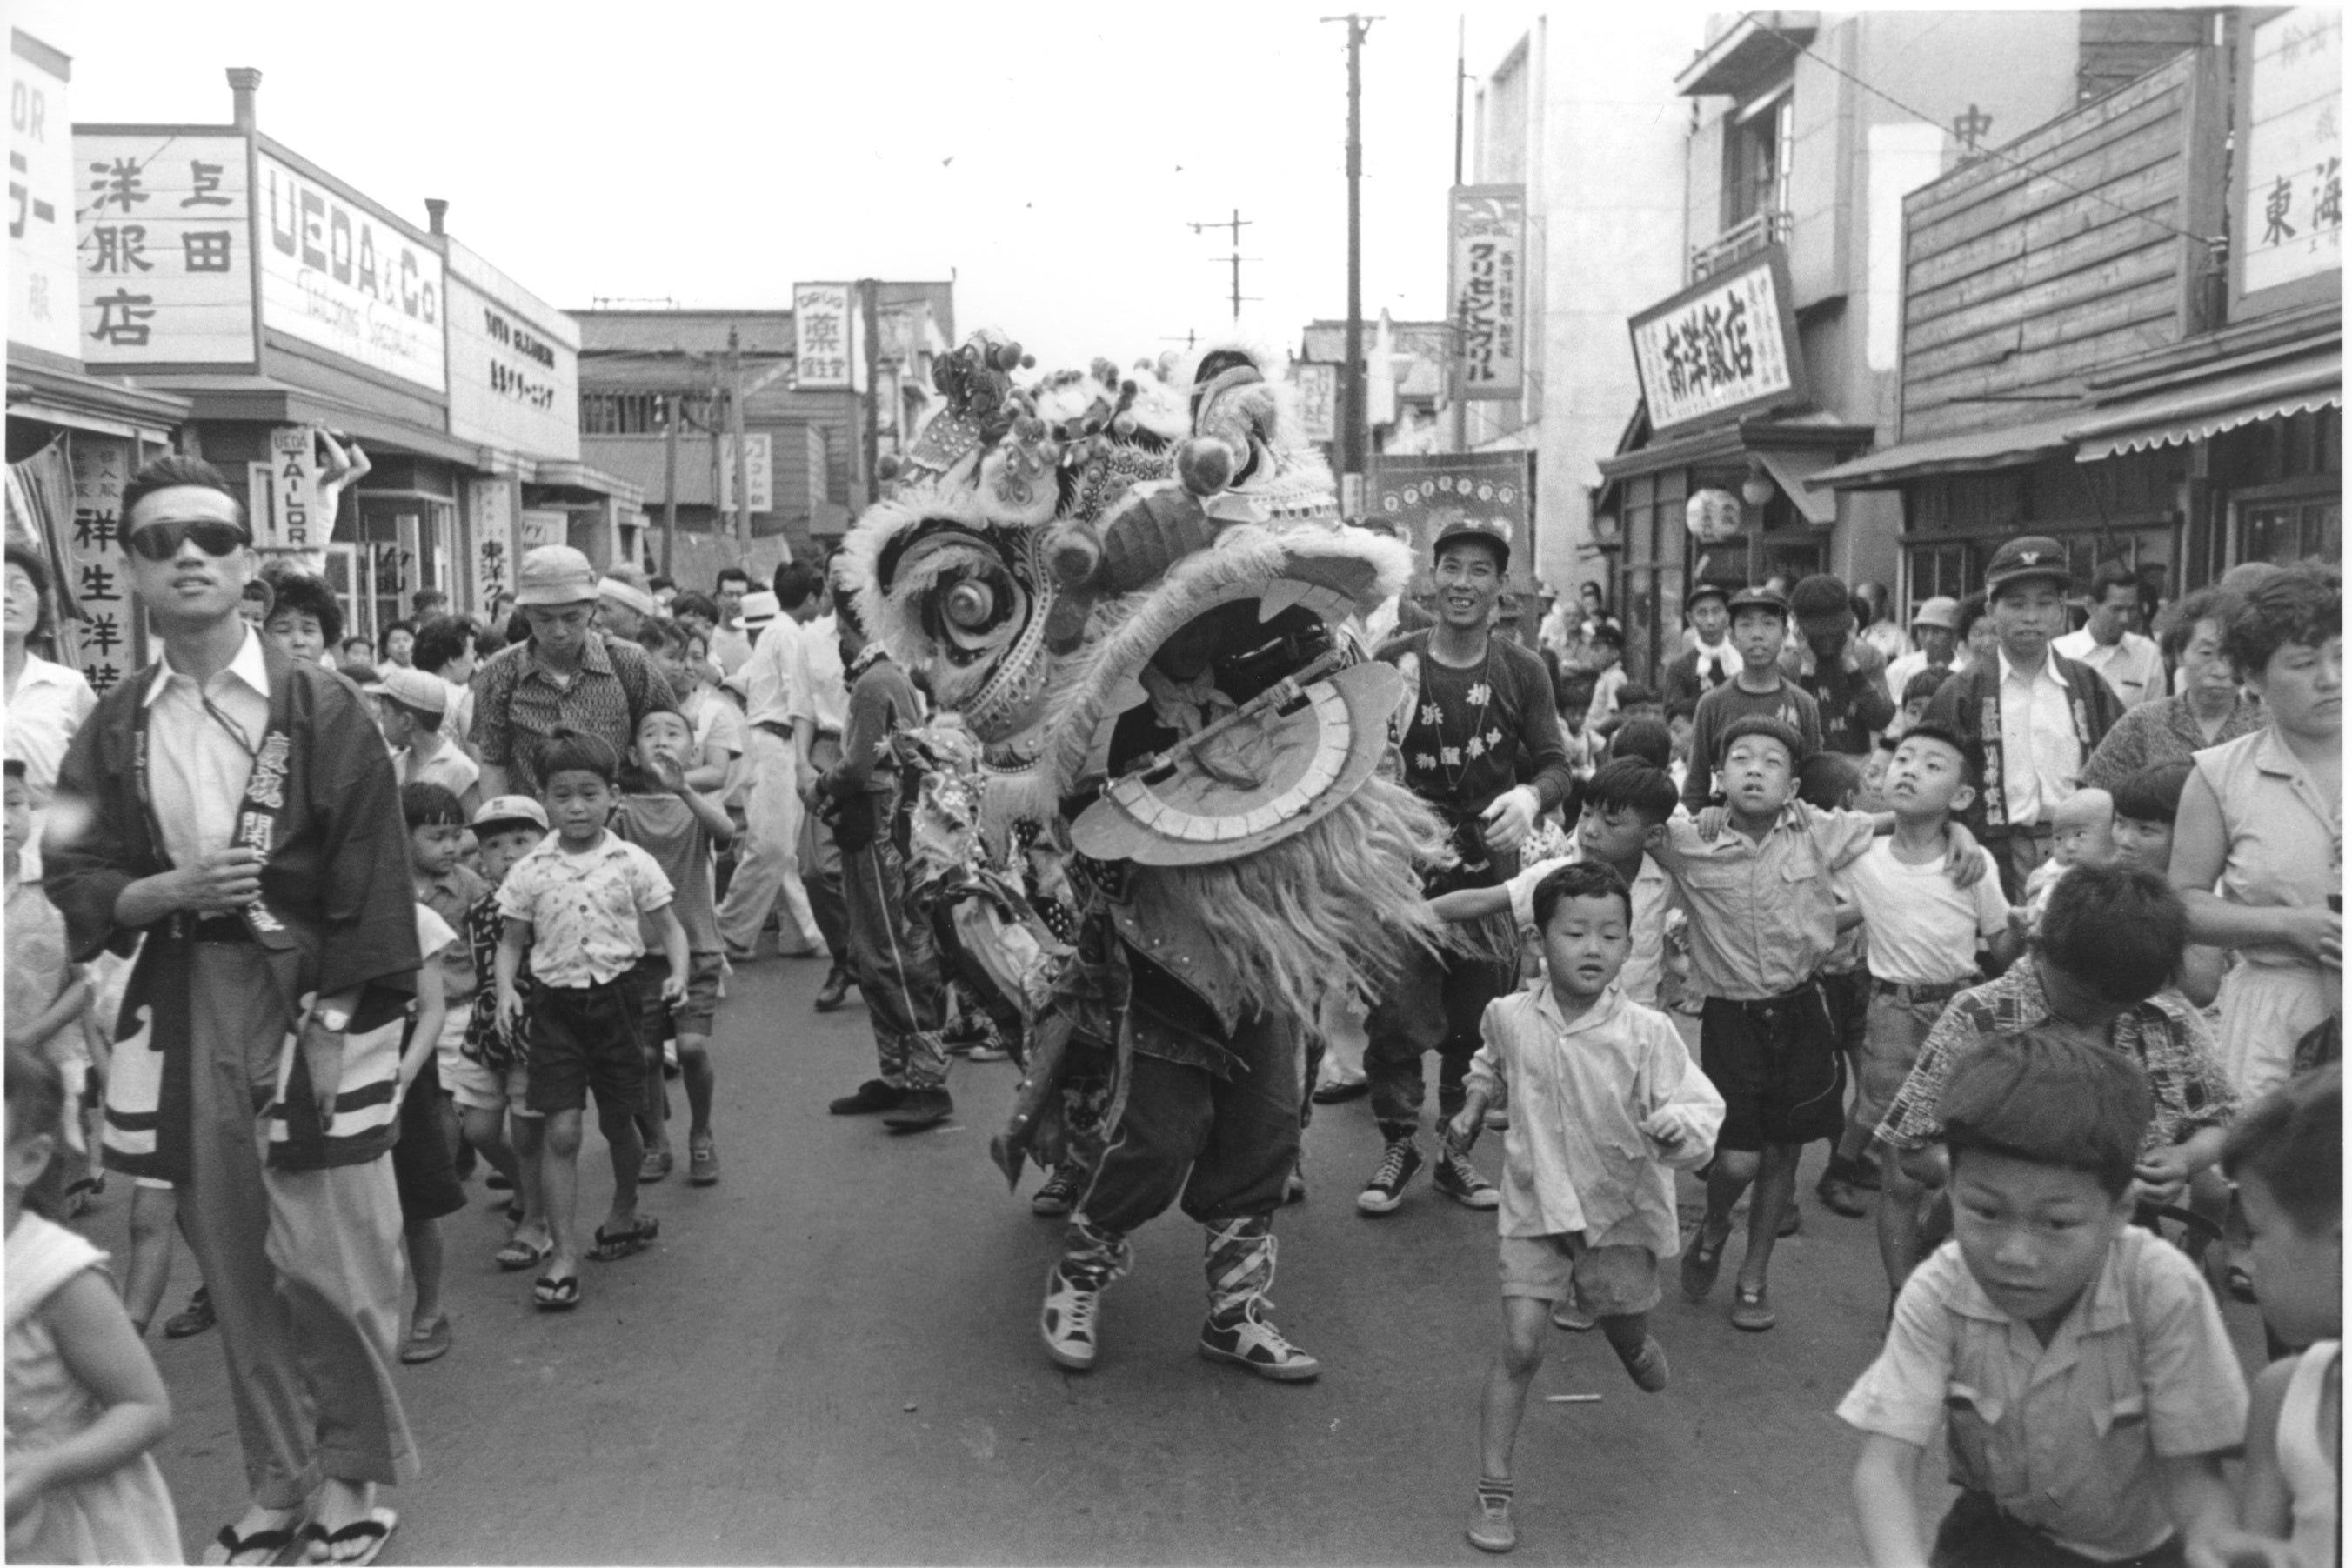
(2075, 1363)
(574, 904)
(1763, 917)
(448, 887)
(421, 1168)
(679, 826)
(490, 1081)
(1605, 1102)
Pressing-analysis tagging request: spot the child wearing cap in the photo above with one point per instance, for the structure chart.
(491, 1079)
(1709, 659)
(1759, 624)
(409, 708)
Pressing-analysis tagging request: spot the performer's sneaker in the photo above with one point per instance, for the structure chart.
(1067, 1321)
(1058, 1196)
(1386, 1189)
(1491, 1529)
(1458, 1179)
(1247, 1340)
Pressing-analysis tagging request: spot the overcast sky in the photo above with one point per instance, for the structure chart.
(1050, 157)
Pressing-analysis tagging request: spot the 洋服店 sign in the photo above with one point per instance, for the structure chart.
(1724, 346)
(822, 335)
(1487, 229)
(759, 471)
(2290, 217)
(1424, 494)
(163, 239)
(341, 276)
(514, 364)
(1318, 400)
(494, 537)
(43, 300)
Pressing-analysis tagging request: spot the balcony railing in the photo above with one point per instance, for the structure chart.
(1768, 226)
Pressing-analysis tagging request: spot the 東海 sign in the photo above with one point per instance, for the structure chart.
(1724, 347)
(1487, 232)
(822, 337)
(340, 276)
(2290, 217)
(44, 299)
(163, 248)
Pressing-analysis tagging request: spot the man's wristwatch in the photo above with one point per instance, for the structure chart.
(332, 1021)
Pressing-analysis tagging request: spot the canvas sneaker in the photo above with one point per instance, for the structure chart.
(1458, 1179)
(1067, 1323)
(1386, 1189)
(1058, 1196)
(1247, 1340)
(1491, 1529)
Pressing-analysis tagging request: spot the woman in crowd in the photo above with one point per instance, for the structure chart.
(2209, 711)
(47, 701)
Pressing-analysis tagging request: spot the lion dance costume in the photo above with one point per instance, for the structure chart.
(1152, 819)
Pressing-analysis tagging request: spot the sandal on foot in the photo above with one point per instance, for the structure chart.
(613, 1246)
(261, 1546)
(520, 1254)
(553, 1295)
(1751, 1310)
(368, 1535)
(427, 1342)
(1700, 1265)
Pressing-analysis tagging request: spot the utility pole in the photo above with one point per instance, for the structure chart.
(1460, 411)
(1351, 399)
(669, 484)
(873, 388)
(743, 446)
(1236, 223)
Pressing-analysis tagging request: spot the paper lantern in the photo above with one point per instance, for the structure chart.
(1712, 516)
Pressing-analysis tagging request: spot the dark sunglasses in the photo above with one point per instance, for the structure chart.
(162, 542)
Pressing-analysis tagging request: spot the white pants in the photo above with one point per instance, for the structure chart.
(767, 861)
(1342, 1023)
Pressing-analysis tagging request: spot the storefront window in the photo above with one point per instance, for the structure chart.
(2287, 531)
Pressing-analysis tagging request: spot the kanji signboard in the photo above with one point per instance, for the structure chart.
(44, 299)
(1318, 400)
(494, 539)
(822, 338)
(163, 248)
(1725, 347)
(98, 643)
(2290, 216)
(1487, 229)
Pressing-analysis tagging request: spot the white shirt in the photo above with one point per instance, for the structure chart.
(823, 692)
(1645, 957)
(457, 719)
(48, 704)
(2041, 760)
(196, 767)
(2133, 667)
(1900, 671)
(765, 678)
(729, 648)
(1923, 929)
(449, 768)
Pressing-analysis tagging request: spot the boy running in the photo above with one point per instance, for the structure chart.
(1605, 1101)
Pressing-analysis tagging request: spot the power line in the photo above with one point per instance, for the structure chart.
(2214, 242)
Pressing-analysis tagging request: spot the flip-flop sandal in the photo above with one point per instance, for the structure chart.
(551, 1295)
(425, 1344)
(611, 1249)
(228, 1545)
(371, 1533)
(519, 1254)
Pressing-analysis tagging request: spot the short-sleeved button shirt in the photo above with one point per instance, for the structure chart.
(2065, 1436)
(1763, 911)
(2285, 838)
(519, 701)
(584, 908)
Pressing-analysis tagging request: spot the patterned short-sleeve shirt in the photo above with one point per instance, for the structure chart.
(584, 908)
(519, 701)
(2163, 1034)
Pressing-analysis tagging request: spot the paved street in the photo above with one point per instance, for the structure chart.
(832, 1357)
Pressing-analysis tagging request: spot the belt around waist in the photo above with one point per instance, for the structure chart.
(1942, 991)
(1806, 992)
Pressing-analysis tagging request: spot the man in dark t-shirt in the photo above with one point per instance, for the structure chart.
(1477, 703)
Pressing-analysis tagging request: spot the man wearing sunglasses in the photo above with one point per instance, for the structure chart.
(236, 808)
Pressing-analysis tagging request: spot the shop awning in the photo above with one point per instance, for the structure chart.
(2177, 414)
(1796, 472)
(1972, 452)
(94, 403)
(564, 474)
(265, 400)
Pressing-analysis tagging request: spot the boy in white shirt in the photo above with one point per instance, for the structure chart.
(1605, 1102)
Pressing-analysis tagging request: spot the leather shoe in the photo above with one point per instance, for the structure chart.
(921, 1108)
(834, 992)
(871, 1096)
(1338, 1093)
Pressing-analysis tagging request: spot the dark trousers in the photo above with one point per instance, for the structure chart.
(1435, 1004)
(895, 966)
(1221, 1147)
(819, 859)
(1976, 1534)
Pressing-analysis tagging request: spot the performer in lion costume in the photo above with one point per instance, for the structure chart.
(1130, 597)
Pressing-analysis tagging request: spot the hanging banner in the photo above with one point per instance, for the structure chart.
(491, 501)
(2290, 217)
(1423, 496)
(1488, 238)
(1724, 347)
(44, 299)
(164, 247)
(759, 470)
(822, 336)
(99, 642)
(1318, 400)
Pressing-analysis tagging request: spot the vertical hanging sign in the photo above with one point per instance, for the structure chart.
(293, 523)
(1486, 249)
(97, 640)
(493, 508)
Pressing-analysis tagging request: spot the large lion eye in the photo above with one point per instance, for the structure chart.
(969, 604)
(973, 607)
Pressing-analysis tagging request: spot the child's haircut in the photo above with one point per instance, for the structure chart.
(1634, 694)
(1683, 707)
(2292, 1141)
(424, 717)
(2300, 604)
(2115, 929)
(2051, 1099)
(1923, 686)
(1634, 784)
(670, 709)
(424, 804)
(569, 750)
(660, 637)
(1763, 723)
(1972, 754)
(1827, 779)
(439, 641)
(1643, 739)
(2153, 794)
(1580, 879)
(693, 603)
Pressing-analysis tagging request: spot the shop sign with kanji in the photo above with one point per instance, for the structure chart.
(1725, 347)
(95, 635)
(823, 336)
(1488, 230)
(43, 295)
(162, 249)
(2290, 216)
